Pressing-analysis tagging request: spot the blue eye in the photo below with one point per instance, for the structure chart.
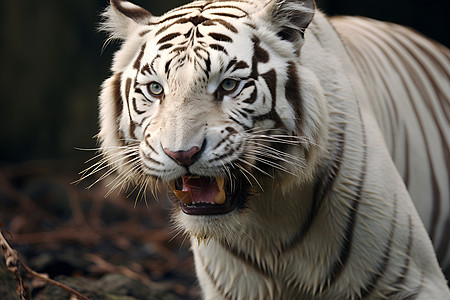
(155, 89)
(229, 85)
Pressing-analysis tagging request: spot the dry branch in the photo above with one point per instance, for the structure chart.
(13, 262)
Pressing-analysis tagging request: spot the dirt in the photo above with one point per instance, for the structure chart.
(117, 247)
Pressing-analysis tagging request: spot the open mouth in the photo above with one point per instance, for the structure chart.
(200, 195)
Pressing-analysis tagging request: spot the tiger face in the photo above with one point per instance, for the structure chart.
(212, 101)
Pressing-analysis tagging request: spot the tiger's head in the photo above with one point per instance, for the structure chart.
(212, 100)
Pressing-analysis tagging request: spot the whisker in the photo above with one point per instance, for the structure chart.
(243, 171)
(122, 179)
(111, 159)
(270, 163)
(112, 170)
(277, 156)
(255, 167)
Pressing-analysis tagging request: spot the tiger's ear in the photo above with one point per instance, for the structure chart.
(122, 17)
(291, 17)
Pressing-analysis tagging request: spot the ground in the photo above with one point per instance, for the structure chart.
(110, 247)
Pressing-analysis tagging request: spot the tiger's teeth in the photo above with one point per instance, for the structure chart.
(172, 185)
(220, 182)
(220, 197)
(183, 196)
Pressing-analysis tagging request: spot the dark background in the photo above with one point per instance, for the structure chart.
(52, 65)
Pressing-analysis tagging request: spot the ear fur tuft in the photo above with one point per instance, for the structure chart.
(292, 17)
(122, 17)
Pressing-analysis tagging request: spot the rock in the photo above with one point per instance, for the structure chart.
(7, 283)
(109, 287)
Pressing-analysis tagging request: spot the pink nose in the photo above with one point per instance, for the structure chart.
(183, 158)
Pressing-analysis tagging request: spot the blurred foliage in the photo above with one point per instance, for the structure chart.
(53, 64)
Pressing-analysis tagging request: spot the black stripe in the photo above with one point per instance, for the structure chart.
(236, 65)
(271, 80)
(127, 100)
(219, 289)
(168, 37)
(148, 158)
(230, 64)
(189, 7)
(178, 49)
(370, 286)
(146, 69)
(240, 65)
(347, 240)
(227, 15)
(261, 55)
(324, 182)
(135, 108)
(444, 245)
(147, 142)
(322, 187)
(153, 170)
(225, 139)
(196, 20)
(137, 63)
(239, 123)
(243, 114)
(442, 99)
(165, 46)
(144, 32)
(167, 67)
(371, 61)
(293, 96)
(224, 23)
(222, 7)
(406, 155)
(401, 279)
(118, 103)
(220, 37)
(218, 48)
(434, 184)
(252, 98)
(128, 89)
(179, 21)
(168, 18)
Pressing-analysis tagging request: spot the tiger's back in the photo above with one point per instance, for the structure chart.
(406, 77)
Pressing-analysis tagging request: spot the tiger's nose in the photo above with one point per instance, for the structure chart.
(183, 158)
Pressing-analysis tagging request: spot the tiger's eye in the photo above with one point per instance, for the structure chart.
(155, 88)
(229, 85)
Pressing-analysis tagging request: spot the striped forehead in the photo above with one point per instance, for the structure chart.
(192, 38)
(205, 13)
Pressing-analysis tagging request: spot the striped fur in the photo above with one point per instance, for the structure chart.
(333, 127)
(393, 55)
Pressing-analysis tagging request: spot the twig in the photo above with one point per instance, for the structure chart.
(13, 261)
(43, 277)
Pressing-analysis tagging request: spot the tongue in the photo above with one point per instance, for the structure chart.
(202, 190)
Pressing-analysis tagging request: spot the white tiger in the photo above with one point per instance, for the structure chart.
(287, 139)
